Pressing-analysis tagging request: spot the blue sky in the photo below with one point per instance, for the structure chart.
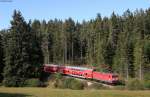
(62, 9)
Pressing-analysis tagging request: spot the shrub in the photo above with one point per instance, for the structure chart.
(76, 85)
(58, 76)
(69, 83)
(121, 82)
(32, 83)
(1, 78)
(1, 84)
(58, 84)
(13, 82)
(135, 84)
(96, 86)
(147, 84)
(147, 77)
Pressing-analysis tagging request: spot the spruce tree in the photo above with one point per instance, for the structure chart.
(17, 58)
(1, 56)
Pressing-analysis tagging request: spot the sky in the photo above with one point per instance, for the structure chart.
(62, 9)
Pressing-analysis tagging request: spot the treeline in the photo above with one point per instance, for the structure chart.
(120, 42)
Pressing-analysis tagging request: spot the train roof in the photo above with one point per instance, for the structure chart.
(72, 67)
(50, 65)
(79, 68)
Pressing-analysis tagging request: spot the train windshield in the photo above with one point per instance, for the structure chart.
(114, 76)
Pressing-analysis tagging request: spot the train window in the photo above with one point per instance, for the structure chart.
(85, 73)
(114, 76)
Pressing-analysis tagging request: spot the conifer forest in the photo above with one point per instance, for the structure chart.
(121, 43)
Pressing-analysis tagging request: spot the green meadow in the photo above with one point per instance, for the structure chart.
(48, 92)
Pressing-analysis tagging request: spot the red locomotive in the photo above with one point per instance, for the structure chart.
(82, 72)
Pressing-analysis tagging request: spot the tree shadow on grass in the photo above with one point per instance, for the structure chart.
(14, 95)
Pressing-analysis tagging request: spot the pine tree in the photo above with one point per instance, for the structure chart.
(111, 46)
(35, 49)
(139, 43)
(17, 56)
(1, 55)
(69, 29)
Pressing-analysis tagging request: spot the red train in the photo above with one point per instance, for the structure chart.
(82, 72)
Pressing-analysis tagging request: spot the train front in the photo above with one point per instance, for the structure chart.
(114, 79)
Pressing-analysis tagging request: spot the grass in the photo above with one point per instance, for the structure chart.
(48, 92)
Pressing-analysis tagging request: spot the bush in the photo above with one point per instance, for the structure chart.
(76, 85)
(1, 78)
(58, 76)
(135, 84)
(69, 83)
(147, 77)
(1, 84)
(32, 83)
(147, 84)
(121, 82)
(96, 86)
(13, 82)
(58, 84)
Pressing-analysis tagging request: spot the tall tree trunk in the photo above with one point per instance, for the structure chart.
(81, 51)
(140, 71)
(65, 50)
(72, 52)
(127, 72)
